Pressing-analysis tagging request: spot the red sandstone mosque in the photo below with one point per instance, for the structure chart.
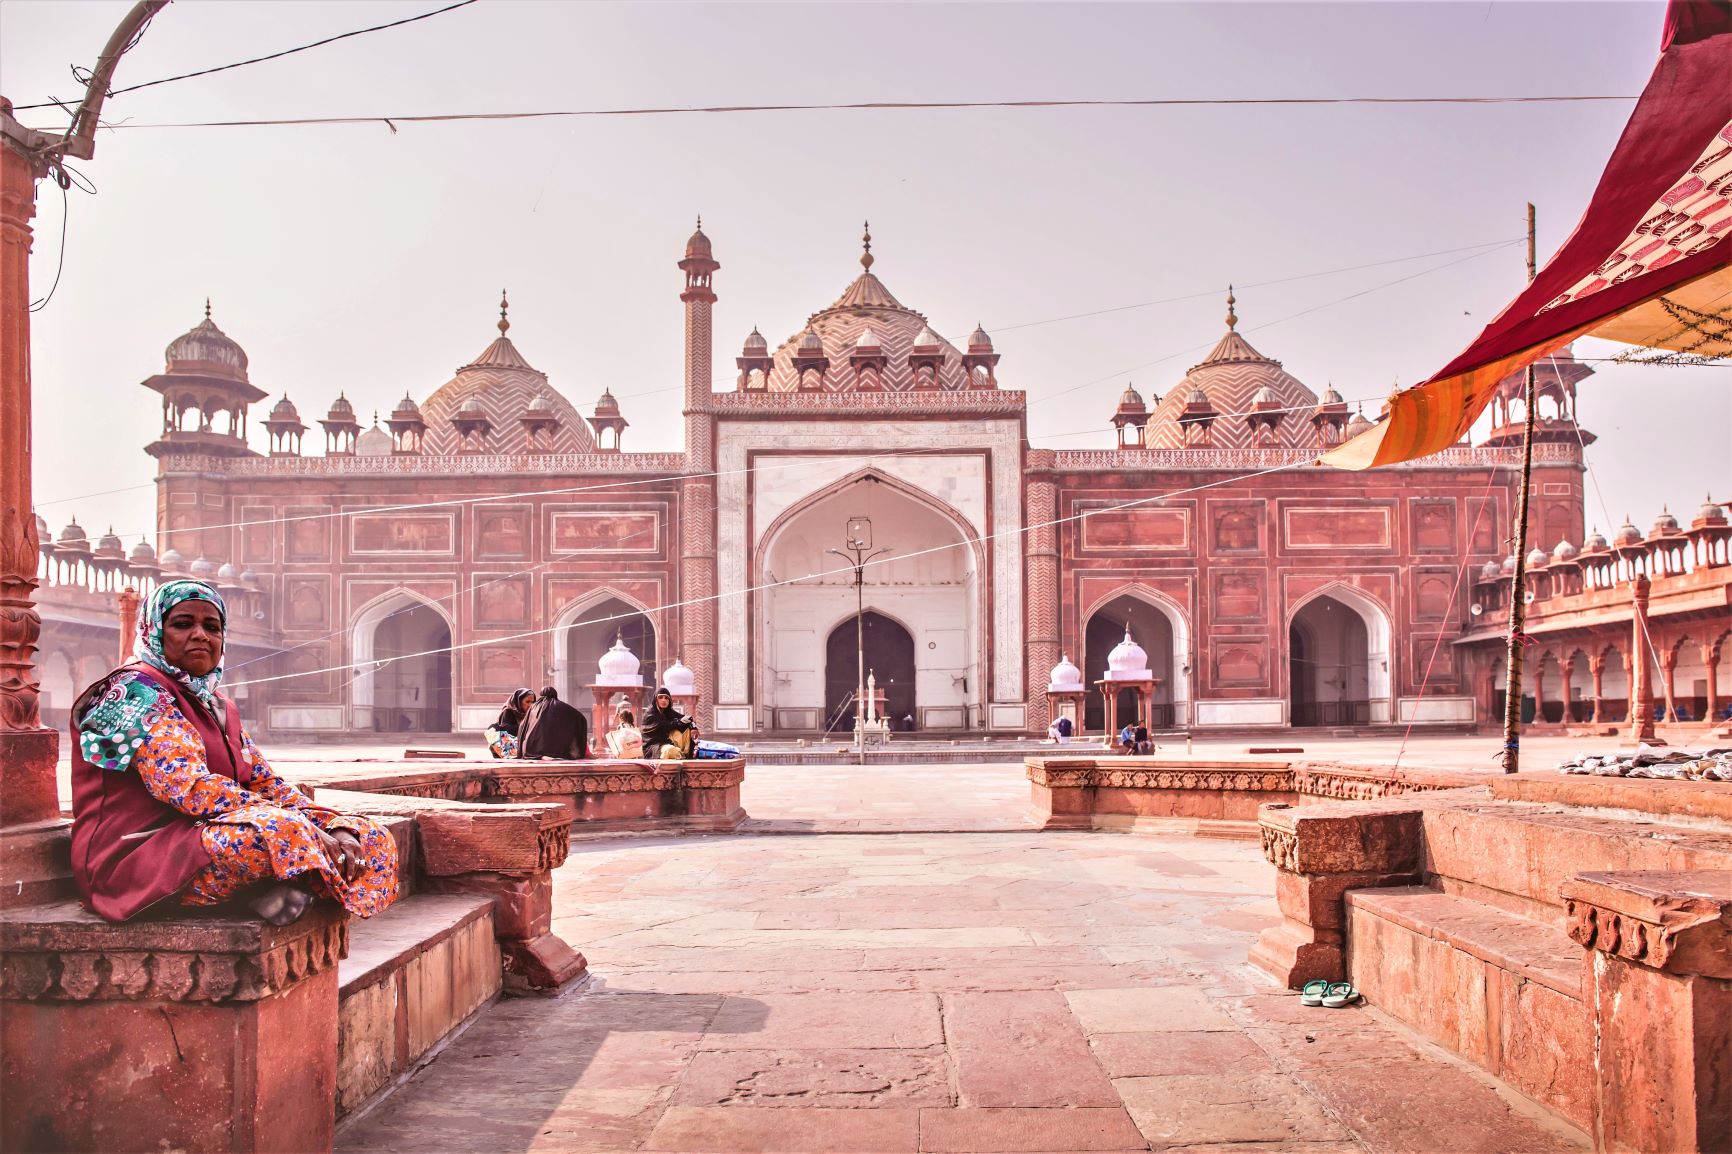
(406, 575)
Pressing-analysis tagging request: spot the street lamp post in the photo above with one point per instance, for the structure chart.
(859, 552)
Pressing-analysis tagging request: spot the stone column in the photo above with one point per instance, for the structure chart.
(1711, 659)
(698, 592)
(28, 751)
(1669, 673)
(1042, 611)
(1540, 694)
(129, 600)
(1641, 691)
(1597, 669)
(1659, 991)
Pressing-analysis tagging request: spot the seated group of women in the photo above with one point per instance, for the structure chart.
(540, 725)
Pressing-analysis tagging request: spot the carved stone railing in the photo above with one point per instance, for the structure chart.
(1006, 402)
(1457, 457)
(451, 464)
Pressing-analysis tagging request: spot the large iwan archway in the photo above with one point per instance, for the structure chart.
(1338, 660)
(927, 586)
(402, 663)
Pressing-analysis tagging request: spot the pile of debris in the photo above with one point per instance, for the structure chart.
(1654, 761)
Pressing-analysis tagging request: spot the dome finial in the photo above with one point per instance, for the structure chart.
(866, 241)
(504, 305)
(700, 222)
(207, 308)
(1232, 317)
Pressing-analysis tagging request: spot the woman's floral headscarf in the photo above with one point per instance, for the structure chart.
(117, 725)
(150, 635)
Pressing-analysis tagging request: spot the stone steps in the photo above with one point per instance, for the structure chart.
(414, 976)
(1503, 991)
(1517, 855)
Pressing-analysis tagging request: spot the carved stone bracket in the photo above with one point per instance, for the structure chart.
(1680, 923)
(62, 953)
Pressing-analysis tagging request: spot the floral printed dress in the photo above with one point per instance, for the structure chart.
(261, 831)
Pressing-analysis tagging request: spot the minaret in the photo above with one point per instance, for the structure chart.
(697, 540)
(699, 264)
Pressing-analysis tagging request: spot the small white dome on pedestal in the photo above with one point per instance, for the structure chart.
(619, 666)
(1128, 661)
(680, 681)
(1065, 677)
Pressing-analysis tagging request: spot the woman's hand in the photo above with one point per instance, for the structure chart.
(344, 849)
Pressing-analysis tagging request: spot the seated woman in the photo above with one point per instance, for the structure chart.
(667, 733)
(502, 734)
(625, 739)
(551, 728)
(172, 801)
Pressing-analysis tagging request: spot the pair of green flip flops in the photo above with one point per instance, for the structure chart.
(1334, 995)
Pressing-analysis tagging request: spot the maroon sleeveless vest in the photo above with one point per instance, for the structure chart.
(129, 850)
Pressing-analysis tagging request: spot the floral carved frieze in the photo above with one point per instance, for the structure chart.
(77, 972)
(1096, 776)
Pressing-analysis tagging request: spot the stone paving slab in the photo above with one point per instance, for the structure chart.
(769, 994)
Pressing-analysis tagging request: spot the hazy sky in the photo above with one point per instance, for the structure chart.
(353, 258)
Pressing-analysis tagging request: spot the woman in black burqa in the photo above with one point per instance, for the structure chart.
(551, 728)
(667, 733)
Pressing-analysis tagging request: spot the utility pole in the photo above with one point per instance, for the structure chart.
(1512, 706)
(28, 750)
(859, 541)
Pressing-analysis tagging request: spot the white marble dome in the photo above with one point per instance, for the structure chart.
(1065, 677)
(1564, 552)
(1128, 661)
(1491, 571)
(171, 559)
(204, 568)
(1536, 558)
(679, 680)
(619, 666)
(228, 572)
(374, 442)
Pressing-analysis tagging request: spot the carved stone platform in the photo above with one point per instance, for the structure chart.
(231, 1020)
(1219, 797)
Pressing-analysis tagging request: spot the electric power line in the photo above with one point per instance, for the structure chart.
(243, 63)
(391, 121)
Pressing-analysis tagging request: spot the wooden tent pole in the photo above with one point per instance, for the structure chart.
(1512, 706)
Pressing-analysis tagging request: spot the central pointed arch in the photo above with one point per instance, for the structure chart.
(931, 582)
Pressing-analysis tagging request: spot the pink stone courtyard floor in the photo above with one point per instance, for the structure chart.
(994, 990)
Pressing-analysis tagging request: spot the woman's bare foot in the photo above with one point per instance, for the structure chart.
(282, 903)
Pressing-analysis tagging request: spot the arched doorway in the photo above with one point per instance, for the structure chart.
(889, 650)
(1150, 626)
(926, 587)
(1338, 660)
(591, 631)
(402, 659)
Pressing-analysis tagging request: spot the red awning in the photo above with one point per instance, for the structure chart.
(1648, 263)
